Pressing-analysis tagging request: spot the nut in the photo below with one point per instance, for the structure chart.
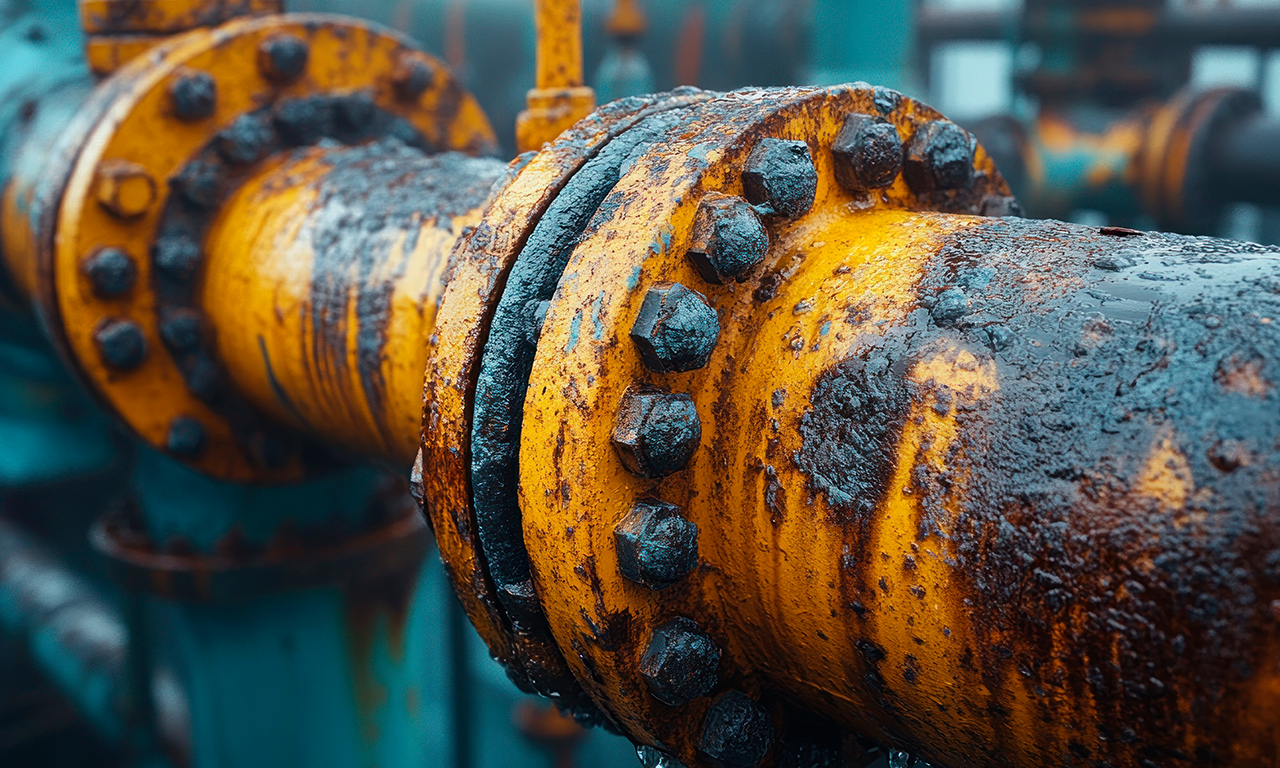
(177, 256)
(656, 433)
(886, 99)
(180, 330)
(121, 344)
(125, 189)
(193, 96)
(780, 176)
(200, 182)
(282, 58)
(186, 438)
(867, 153)
(657, 547)
(728, 239)
(939, 157)
(676, 329)
(111, 272)
(246, 140)
(736, 732)
(681, 662)
(411, 77)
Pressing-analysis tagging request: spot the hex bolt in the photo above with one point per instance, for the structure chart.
(886, 99)
(657, 547)
(180, 330)
(282, 58)
(245, 140)
(200, 182)
(680, 663)
(193, 96)
(728, 239)
(412, 77)
(121, 344)
(186, 438)
(125, 189)
(676, 329)
(779, 176)
(177, 256)
(656, 433)
(939, 157)
(867, 153)
(736, 733)
(112, 272)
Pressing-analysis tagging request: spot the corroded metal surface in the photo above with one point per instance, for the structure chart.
(221, 102)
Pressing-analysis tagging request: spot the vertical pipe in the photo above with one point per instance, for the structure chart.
(559, 29)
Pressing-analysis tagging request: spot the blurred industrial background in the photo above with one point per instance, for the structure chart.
(1041, 92)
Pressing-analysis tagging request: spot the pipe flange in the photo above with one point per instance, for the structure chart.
(482, 265)
(1173, 163)
(162, 142)
(625, 392)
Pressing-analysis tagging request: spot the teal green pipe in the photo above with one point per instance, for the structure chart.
(868, 40)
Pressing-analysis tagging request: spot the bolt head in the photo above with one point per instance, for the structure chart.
(680, 663)
(180, 330)
(867, 153)
(193, 96)
(886, 99)
(728, 239)
(199, 182)
(656, 433)
(125, 189)
(412, 77)
(780, 176)
(939, 157)
(657, 547)
(245, 140)
(736, 733)
(186, 438)
(282, 58)
(121, 344)
(177, 256)
(676, 329)
(112, 272)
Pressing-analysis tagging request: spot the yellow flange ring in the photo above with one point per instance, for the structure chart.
(144, 125)
(474, 286)
(578, 485)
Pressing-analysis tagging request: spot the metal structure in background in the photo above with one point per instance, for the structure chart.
(1116, 130)
(750, 425)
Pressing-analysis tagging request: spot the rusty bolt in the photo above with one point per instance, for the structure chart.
(656, 433)
(180, 330)
(111, 272)
(200, 182)
(245, 140)
(281, 58)
(125, 189)
(177, 256)
(411, 77)
(186, 438)
(780, 177)
(939, 157)
(867, 153)
(676, 329)
(193, 96)
(657, 546)
(728, 239)
(736, 732)
(886, 99)
(120, 343)
(681, 662)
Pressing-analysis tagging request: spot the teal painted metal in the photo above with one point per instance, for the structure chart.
(869, 40)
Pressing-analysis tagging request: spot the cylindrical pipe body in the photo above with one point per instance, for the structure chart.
(1021, 498)
(1245, 161)
(1003, 492)
(322, 280)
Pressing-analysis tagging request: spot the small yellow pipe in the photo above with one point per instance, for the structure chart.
(559, 29)
(323, 277)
